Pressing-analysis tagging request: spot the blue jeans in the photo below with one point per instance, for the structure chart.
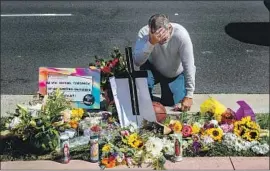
(173, 90)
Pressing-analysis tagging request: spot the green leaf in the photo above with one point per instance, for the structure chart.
(43, 146)
(22, 108)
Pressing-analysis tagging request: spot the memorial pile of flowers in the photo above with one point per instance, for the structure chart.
(39, 125)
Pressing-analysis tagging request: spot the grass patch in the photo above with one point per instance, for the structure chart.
(263, 119)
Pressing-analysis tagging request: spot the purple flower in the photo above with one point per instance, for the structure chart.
(115, 155)
(196, 146)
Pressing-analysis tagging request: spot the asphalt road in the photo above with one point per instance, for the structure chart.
(224, 63)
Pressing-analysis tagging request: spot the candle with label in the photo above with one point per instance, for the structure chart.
(94, 149)
(178, 143)
(64, 142)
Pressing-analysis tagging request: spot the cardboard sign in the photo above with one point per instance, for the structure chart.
(120, 88)
(80, 85)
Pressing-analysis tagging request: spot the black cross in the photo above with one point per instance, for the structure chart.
(132, 75)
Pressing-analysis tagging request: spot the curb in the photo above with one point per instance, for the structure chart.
(188, 163)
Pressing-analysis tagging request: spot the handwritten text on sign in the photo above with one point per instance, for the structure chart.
(74, 87)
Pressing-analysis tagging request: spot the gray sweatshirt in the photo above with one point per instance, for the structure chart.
(170, 59)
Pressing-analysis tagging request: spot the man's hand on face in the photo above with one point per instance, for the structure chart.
(158, 36)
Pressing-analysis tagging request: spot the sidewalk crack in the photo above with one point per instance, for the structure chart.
(231, 162)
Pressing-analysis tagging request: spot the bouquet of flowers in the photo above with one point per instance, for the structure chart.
(39, 125)
(115, 65)
(129, 146)
(247, 129)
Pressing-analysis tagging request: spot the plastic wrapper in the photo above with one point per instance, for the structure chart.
(244, 111)
(78, 141)
(213, 106)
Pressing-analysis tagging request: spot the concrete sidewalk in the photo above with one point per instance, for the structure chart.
(188, 163)
(259, 102)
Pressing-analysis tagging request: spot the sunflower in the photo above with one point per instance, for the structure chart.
(138, 143)
(215, 133)
(132, 138)
(236, 128)
(251, 135)
(246, 120)
(106, 148)
(252, 125)
(135, 141)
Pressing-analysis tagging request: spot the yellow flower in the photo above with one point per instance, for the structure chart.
(236, 132)
(236, 128)
(246, 119)
(106, 148)
(77, 113)
(132, 137)
(80, 112)
(177, 127)
(134, 140)
(218, 116)
(251, 135)
(74, 113)
(137, 143)
(253, 125)
(215, 133)
(77, 119)
(195, 129)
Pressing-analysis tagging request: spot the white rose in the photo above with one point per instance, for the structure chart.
(168, 146)
(154, 146)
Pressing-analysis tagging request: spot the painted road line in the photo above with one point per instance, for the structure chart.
(36, 15)
(258, 102)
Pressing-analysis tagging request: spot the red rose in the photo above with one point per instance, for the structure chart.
(106, 69)
(115, 61)
(186, 130)
(95, 128)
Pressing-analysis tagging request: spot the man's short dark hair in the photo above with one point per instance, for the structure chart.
(158, 21)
